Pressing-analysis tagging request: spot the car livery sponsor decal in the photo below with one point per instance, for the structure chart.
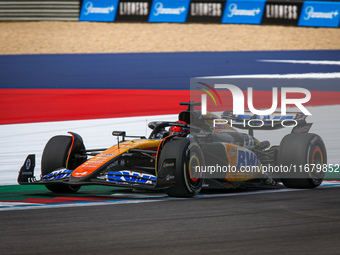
(246, 158)
(131, 177)
(239, 158)
(57, 175)
(102, 158)
(165, 164)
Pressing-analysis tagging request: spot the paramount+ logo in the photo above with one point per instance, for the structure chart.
(238, 99)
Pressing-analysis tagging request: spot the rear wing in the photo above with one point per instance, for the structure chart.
(274, 121)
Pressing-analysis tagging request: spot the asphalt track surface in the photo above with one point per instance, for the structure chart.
(296, 222)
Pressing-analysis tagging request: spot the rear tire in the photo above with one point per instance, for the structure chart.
(301, 150)
(55, 156)
(188, 155)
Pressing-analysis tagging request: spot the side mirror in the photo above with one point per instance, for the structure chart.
(151, 125)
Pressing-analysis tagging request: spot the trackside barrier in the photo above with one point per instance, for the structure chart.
(103, 10)
(32, 10)
(257, 12)
(282, 13)
(169, 11)
(243, 12)
(323, 14)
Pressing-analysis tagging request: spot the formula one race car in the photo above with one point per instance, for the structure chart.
(182, 157)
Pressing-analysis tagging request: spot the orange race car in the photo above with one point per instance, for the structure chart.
(185, 156)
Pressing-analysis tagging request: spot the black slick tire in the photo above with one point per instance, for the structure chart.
(55, 156)
(300, 152)
(188, 155)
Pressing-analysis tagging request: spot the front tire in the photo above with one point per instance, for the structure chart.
(188, 155)
(301, 150)
(55, 156)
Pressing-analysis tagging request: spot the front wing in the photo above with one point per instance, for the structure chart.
(123, 178)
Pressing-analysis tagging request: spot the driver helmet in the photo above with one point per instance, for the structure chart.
(179, 131)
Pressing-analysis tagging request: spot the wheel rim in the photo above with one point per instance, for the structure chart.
(317, 159)
(194, 173)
